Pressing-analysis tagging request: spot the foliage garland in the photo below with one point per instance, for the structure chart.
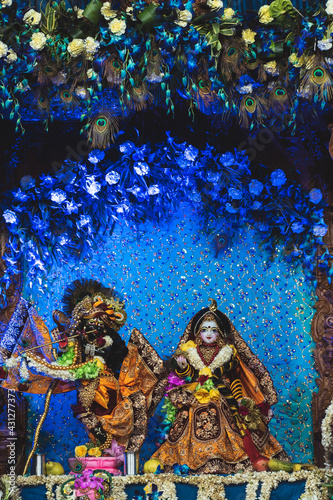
(254, 69)
(65, 213)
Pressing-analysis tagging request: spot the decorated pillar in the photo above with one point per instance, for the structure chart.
(322, 333)
(15, 405)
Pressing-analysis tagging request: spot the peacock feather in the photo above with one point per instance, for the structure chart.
(317, 80)
(137, 95)
(280, 99)
(68, 98)
(112, 68)
(154, 64)
(102, 129)
(232, 58)
(252, 109)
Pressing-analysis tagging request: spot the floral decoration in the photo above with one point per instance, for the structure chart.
(160, 52)
(64, 215)
(209, 486)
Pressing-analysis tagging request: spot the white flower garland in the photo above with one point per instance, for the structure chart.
(222, 357)
(62, 374)
(210, 487)
(326, 432)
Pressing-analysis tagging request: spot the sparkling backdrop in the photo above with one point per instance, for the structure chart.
(166, 275)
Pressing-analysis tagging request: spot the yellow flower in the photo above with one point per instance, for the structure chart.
(107, 12)
(117, 27)
(215, 4)
(99, 362)
(248, 36)
(95, 452)
(296, 61)
(38, 41)
(271, 68)
(81, 451)
(202, 396)
(228, 13)
(214, 394)
(75, 47)
(206, 371)
(264, 15)
(187, 345)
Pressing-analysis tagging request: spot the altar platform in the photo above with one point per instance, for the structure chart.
(253, 486)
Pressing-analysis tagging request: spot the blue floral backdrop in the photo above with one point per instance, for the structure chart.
(166, 275)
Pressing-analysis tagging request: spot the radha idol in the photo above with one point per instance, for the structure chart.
(223, 402)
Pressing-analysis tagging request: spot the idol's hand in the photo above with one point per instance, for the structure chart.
(181, 362)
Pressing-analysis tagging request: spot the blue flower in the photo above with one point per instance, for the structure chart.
(255, 187)
(297, 227)
(19, 195)
(227, 159)
(85, 220)
(278, 177)
(47, 180)
(320, 229)
(112, 177)
(231, 209)
(71, 207)
(152, 190)
(39, 225)
(64, 239)
(191, 153)
(256, 205)
(127, 147)
(58, 195)
(10, 217)
(92, 186)
(315, 196)
(213, 177)
(95, 156)
(235, 194)
(141, 168)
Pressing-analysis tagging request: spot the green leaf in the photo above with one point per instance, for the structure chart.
(280, 7)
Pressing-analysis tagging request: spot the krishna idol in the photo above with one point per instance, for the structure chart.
(223, 404)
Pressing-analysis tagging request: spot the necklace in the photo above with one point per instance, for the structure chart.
(207, 352)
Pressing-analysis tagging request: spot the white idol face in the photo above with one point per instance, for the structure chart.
(209, 331)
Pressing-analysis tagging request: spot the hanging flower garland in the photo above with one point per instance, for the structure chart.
(62, 216)
(326, 432)
(253, 69)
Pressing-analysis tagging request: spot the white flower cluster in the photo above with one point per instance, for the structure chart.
(78, 45)
(38, 41)
(117, 26)
(329, 7)
(107, 11)
(8, 54)
(32, 17)
(222, 357)
(183, 17)
(326, 432)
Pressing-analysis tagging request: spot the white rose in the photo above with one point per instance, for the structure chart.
(11, 56)
(117, 27)
(75, 47)
(107, 12)
(3, 49)
(79, 12)
(38, 41)
(183, 17)
(329, 7)
(6, 3)
(215, 4)
(325, 44)
(91, 45)
(32, 17)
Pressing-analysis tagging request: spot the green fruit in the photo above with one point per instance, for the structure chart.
(276, 465)
(54, 469)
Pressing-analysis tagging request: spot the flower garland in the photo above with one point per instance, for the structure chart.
(209, 486)
(326, 433)
(223, 356)
(211, 57)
